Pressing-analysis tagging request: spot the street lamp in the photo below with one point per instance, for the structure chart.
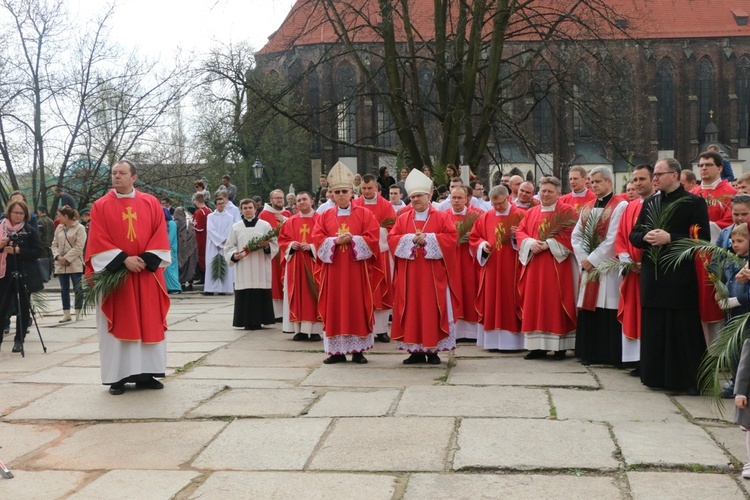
(258, 170)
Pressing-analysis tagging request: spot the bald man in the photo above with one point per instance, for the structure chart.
(514, 183)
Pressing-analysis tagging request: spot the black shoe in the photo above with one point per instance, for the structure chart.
(559, 355)
(208, 294)
(189, 288)
(17, 346)
(416, 357)
(692, 391)
(299, 337)
(315, 338)
(279, 320)
(152, 383)
(433, 358)
(335, 358)
(494, 350)
(584, 362)
(636, 372)
(359, 358)
(116, 389)
(383, 337)
(536, 354)
(466, 341)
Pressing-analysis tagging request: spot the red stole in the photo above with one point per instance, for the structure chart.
(469, 270)
(383, 212)
(629, 310)
(300, 269)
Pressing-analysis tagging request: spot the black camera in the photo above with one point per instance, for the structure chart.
(14, 236)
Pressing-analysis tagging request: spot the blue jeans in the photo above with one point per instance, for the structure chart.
(65, 289)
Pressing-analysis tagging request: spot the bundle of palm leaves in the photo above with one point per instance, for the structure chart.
(593, 228)
(686, 249)
(552, 226)
(658, 216)
(100, 285)
(610, 265)
(254, 243)
(718, 362)
(219, 268)
(464, 226)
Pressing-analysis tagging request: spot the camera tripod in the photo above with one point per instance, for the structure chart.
(17, 282)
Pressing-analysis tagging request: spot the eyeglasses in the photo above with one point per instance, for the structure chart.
(18, 213)
(659, 174)
(340, 191)
(701, 165)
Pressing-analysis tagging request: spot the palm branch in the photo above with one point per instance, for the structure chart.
(721, 357)
(39, 303)
(659, 216)
(594, 228)
(684, 249)
(219, 268)
(464, 226)
(609, 265)
(559, 222)
(388, 222)
(100, 285)
(254, 243)
(312, 287)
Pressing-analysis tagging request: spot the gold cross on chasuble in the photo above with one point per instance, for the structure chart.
(129, 216)
(499, 235)
(304, 231)
(343, 229)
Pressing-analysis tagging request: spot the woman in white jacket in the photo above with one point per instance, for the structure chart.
(67, 250)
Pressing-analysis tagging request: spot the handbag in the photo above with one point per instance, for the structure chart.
(45, 269)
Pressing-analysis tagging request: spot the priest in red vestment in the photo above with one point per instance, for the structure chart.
(423, 242)
(498, 302)
(462, 215)
(548, 277)
(579, 194)
(718, 195)
(629, 311)
(346, 243)
(274, 214)
(385, 214)
(128, 230)
(200, 221)
(301, 315)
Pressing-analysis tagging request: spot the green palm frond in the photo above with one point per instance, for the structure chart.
(254, 243)
(659, 216)
(100, 285)
(39, 303)
(684, 249)
(609, 265)
(312, 287)
(720, 358)
(219, 268)
(464, 226)
(551, 226)
(593, 228)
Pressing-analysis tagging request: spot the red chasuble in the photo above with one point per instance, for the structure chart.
(137, 311)
(498, 300)
(383, 212)
(578, 202)
(420, 311)
(629, 311)
(277, 267)
(199, 223)
(719, 202)
(469, 268)
(547, 289)
(346, 301)
(300, 269)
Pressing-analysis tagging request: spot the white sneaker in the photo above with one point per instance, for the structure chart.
(746, 471)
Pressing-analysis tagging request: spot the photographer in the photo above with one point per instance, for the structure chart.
(67, 250)
(19, 250)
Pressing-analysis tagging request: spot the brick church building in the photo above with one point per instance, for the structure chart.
(685, 65)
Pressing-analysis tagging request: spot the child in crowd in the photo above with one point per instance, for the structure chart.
(736, 278)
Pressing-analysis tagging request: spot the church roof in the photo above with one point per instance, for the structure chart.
(308, 22)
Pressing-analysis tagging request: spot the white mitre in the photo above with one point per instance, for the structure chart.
(417, 183)
(340, 177)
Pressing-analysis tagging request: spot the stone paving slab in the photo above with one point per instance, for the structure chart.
(518, 371)
(33, 485)
(667, 444)
(705, 408)
(385, 444)
(354, 403)
(194, 346)
(278, 485)
(508, 487)
(93, 402)
(14, 396)
(273, 444)
(273, 340)
(65, 375)
(134, 445)
(83, 348)
(682, 485)
(613, 379)
(350, 375)
(281, 359)
(610, 406)
(446, 401)
(33, 361)
(174, 359)
(238, 373)
(257, 403)
(733, 439)
(140, 484)
(531, 444)
(19, 440)
(516, 364)
(178, 334)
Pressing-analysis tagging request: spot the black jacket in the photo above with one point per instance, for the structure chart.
(26, 260)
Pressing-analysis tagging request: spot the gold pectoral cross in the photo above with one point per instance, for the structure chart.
(130, 216)
(304, 232)
(343, 229)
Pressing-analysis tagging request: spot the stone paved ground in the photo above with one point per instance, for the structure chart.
(255, 415)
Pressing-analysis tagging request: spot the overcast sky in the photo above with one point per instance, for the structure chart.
(159, 27)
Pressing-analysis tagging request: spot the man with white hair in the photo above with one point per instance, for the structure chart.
(274, 214)
(346, 241)
(598, 333)
(423, 243)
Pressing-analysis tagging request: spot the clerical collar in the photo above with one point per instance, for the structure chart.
(373, 201)
(250, 222)
(581, 195)
(504, 212)
(128, 195)
(550, 208)
(312, 212)
(679, 192)
(420, 216)
(602, 202)
(462, 212)
(712, 185)
(345, 211)
(272, 210)
(522, 204)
